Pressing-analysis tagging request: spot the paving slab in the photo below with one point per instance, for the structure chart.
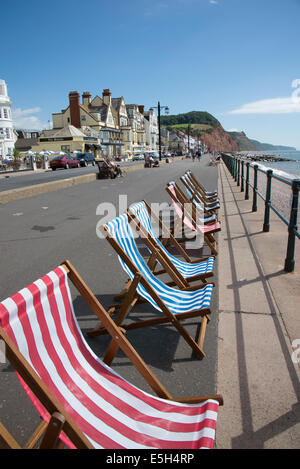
(259, 319)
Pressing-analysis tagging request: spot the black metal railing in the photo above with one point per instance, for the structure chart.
(240, 171)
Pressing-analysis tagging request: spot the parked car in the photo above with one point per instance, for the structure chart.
(138, 156)
(64, 161)
(86, 158)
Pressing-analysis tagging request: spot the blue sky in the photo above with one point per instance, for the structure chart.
(237, 59)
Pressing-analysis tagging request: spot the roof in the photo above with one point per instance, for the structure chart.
(69, 131)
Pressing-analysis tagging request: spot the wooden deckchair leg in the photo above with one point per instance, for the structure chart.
(112, 349)
(200, 341)
(9, 440)
(129, 301)
(121, 295)
(212, 244)
(52, 432)
(39, 431)
(193, 344)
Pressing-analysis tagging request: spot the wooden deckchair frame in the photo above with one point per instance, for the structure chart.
(130, 297)
(198, 197)
(192, 215)
(48, 433)
(200, 186)
(158, 255)
(195, 197)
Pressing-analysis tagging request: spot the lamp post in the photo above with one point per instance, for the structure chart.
(159, 108)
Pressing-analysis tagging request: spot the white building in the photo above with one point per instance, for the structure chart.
(7, 140)
(152, 129)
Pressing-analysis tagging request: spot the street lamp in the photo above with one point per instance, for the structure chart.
(159, 107)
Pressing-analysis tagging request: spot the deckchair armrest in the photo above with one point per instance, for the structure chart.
(198, 286)
(201, 259)
(199, 399)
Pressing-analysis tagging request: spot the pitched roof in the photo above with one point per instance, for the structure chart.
(69, 131)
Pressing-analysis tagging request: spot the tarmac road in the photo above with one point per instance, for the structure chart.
(39, 233)
(10, 181)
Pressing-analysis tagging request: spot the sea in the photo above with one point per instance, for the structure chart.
(285, 169)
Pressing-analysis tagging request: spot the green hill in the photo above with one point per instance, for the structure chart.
(199, 122)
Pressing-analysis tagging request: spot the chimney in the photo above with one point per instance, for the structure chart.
(86, 98)
(74, 100)
(141, 109)
(106, 96)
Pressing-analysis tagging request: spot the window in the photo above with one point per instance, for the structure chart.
(5, 114)
(7, 133)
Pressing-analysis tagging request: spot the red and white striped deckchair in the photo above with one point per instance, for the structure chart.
(83, 402)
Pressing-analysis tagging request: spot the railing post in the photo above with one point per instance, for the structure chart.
(266, 226)
(238, 172)
(254, 202)
(290, 259)
(247, 181)
(242, 177)
(231, 165)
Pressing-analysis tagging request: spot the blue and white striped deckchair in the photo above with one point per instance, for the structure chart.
(200, 187)
(188, 215)
(186, 271)
(206, 214)
(197, 198)
(175, 305)
(195, 193)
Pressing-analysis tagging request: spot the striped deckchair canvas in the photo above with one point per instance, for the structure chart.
(191, 220)
(187, 269)
(195, 181)
(198, 198)
(102, 409)
(177, 301)
(174, 304)
(206, 214)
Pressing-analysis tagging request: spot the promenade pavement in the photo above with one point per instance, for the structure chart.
(259, 320)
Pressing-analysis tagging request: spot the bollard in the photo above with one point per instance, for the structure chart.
(290, 259)
(266, 226)
(254, 203)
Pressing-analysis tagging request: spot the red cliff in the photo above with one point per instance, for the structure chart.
(218, 139)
